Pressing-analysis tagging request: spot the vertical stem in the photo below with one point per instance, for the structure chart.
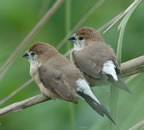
(72, 115)
(114, 92)
(67, 29)
(68, 19)
(114, 95)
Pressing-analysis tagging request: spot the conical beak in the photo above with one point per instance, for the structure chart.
(26, 55)
(73, 39)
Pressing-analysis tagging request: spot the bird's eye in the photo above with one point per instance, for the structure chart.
(32, 54)
(80, 38)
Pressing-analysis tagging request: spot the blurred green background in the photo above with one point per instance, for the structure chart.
(18, 17)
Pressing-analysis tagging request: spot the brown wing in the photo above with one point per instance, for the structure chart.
(91, 59)
(53, 78)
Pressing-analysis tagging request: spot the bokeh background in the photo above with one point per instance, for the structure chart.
(18, 17)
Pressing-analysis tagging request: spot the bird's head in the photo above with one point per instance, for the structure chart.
(38, 52)
(85, 36)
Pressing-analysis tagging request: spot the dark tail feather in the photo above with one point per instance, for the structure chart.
(99, 108)
(120, 84)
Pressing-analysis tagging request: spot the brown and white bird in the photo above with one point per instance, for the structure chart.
(59, 78)
(95, 58)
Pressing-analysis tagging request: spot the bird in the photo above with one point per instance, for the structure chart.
(59, 78)
(96, 59)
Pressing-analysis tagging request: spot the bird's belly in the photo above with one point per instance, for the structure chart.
(43, 89)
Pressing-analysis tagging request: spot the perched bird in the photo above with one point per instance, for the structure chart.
(95, 59)
(59, 78)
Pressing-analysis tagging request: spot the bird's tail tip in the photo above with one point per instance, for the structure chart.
(96, 106)
(120, 84)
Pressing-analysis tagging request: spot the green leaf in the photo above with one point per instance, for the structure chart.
(121, 28)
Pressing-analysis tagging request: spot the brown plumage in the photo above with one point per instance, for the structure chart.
(89, 34)
(42, 49)
(56, 73)
(91, 54)
(59, 78)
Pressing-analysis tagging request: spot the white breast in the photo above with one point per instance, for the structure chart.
(35, 75)
(33, 66)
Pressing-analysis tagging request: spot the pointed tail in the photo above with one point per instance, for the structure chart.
(120, 84)
(96, 106)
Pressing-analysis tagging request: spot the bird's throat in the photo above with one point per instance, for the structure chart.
(78, 47)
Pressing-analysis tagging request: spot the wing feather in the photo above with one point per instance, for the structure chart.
(54, 79)
(91, 59)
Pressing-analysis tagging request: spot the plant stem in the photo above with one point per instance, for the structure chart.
(30, 35)
(67, 20)
(114, 95)
(114, 92)
(67, 29)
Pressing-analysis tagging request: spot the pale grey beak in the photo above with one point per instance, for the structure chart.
(73, 39)
(26, 55)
